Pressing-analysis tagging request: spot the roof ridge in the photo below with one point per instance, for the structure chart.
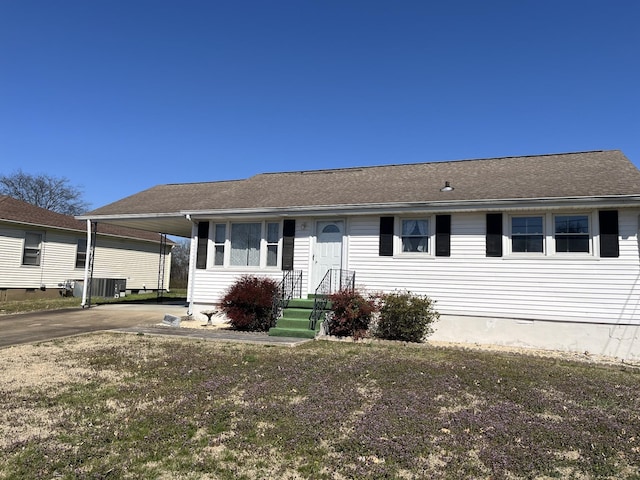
(201, 182)
(368, 167)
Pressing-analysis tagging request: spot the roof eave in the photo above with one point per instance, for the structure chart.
(80, 231)
(130, 216)
(40, 225)
(608, 201)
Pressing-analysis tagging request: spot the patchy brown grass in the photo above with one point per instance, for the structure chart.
(126, 406)
(57, 303)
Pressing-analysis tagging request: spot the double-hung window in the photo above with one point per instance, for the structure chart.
(415, 235)
(556, 234)
(273, 237)
(81, 253)
(527, 234)
(572, 233)
(32, 246)
(219, 238)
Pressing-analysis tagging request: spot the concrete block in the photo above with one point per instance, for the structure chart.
(171, 320)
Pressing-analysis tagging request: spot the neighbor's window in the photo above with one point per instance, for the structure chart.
(273, 235)
(245, 244)
(81, 253)
(415, 235)
(527, 234)
(31, 254)
(220, 235)
(572, 233)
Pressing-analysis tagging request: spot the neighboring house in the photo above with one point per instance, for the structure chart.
(537, 251)
(39, 249)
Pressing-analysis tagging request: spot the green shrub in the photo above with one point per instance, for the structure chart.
(248, 303)
(406, 317)
(351, 314)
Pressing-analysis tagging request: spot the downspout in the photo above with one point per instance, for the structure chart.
(192, 264)
(87, 262)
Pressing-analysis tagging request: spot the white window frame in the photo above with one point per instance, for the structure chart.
(398, 244)
(511, 218)
(549, 235)
(268, 243)
(81, 254)
(219, 243)
(588, 235)
(32, 252)
(263, 245)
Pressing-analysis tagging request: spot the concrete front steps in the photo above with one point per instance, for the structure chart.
(295, 320)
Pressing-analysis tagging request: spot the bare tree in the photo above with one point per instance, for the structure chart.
(52, 193)
(180, 264)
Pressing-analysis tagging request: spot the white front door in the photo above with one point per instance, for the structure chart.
(328, 250)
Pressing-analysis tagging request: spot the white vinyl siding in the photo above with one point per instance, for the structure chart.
(560, 287)
(137, 261)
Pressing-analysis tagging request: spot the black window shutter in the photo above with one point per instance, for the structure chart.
(385, 248)
(288, 237)
(443, 235)
(609, 246)
(494, 234)
(203, 240)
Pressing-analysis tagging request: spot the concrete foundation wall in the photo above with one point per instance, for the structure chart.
(8, 294)
(619, 341)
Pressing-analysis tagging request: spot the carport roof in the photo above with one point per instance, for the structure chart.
(556, 176)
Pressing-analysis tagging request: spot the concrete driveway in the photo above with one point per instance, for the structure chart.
(143, 318)
(33, 327)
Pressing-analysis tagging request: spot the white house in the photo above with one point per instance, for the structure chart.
(536, 251)
(39, 249)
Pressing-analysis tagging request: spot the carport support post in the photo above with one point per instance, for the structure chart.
(88, 266)
(192, 263)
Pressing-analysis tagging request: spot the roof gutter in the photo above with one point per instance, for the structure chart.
(613, 201)
(131, 216)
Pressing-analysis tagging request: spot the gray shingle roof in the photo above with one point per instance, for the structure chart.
(568, 175)
(19, 212)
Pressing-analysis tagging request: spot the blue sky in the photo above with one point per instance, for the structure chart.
(119, 96)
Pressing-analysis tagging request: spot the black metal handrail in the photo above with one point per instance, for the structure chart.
(335, 280)
(289, 287)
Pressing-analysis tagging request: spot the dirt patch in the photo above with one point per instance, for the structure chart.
(202, 324)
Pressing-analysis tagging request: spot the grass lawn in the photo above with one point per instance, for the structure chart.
(126, 406)
(57, 303)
